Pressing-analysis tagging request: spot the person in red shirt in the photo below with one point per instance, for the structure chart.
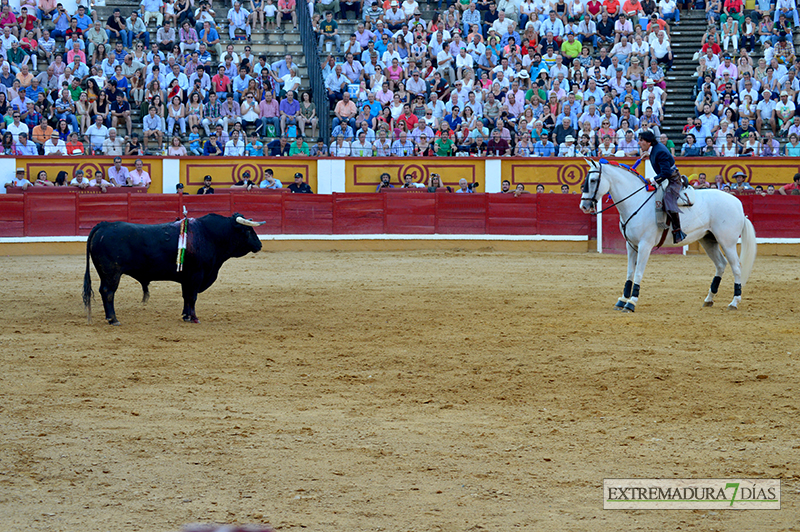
(612, 7)
(221, 83)
(408, 118)
(634, 10)
(712, 43)
(73, 32)
(74, 146)
(27, 22)
(9, 20)
(732, 8)
(791, 188)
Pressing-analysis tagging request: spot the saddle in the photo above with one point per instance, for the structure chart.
(685, 199)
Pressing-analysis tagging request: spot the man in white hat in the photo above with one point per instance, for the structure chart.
(567, 148)
(19, 180)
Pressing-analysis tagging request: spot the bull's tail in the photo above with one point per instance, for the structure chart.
(87, 280)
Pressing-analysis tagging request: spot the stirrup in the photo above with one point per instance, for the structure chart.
(678, 236)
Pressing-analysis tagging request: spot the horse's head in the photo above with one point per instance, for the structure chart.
(593, 187)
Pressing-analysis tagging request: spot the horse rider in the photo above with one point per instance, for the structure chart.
(664, 165)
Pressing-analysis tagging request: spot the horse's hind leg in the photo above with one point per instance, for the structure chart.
(627, 290)
(733, 258)
(711, 247)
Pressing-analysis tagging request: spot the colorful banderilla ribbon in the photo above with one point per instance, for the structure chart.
(182, 237)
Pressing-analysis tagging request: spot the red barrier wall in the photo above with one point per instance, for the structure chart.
(396, 212)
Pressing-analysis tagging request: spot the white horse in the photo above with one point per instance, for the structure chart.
(715, 220)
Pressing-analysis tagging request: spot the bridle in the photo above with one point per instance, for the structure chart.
(593, 200)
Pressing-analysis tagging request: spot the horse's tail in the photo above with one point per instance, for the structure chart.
(748, 252)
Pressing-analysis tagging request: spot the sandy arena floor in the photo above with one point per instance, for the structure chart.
(424, 391)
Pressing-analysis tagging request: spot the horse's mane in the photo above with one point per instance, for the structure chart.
(625, 168)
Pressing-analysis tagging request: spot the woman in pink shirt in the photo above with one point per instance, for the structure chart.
(394, 73)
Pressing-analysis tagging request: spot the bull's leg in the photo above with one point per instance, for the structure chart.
(145, 291)
(626, 291)
(711, 247)
(189, 300)
(108, 286)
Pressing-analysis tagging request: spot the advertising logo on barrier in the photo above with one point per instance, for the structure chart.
(691, 494)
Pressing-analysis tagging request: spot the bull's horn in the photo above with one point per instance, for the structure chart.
(244, 221)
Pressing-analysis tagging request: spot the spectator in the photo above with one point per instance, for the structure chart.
(269, 115)
(153, 9)
(299, 147)
(206, 188)
(235, 146)
(137, 30)
(26, 147)
(231, 113)
(790, 189)
(289, 111)
(113, 145)
(769, 147)
(138, 177)
(269, 181)
(340, 147)
(74, 146)
(279, 147)
(221, 83)
(19, 180)
(96, 134)
(166, 37)
(300, 187)
(176, 114)
(80, 180)
(118, 175)
(212, 113)
(153, 126)
(99, 181)
(120, 111)
(213, 147)
(238, 19)
(287, 9)
(330, 32)
(210, 38)
(116, 27)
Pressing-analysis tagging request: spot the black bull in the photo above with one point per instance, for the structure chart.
(148, 253)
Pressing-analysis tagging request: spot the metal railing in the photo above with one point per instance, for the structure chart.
(318, 92)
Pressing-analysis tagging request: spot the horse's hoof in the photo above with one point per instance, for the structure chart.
(733, 307)
(194, 320)
(620, 305)
(115, 323)
(708, 303)
(630, 307)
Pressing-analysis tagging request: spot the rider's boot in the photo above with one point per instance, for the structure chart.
(677, 234)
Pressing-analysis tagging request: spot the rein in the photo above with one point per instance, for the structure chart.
(624, 224)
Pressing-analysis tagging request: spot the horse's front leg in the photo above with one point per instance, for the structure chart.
(641, 263)
(628, 289)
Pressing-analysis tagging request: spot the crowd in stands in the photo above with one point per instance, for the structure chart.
(746, 107)
(525, 78)
(551, 78)
(116, 176)
(193, 96)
